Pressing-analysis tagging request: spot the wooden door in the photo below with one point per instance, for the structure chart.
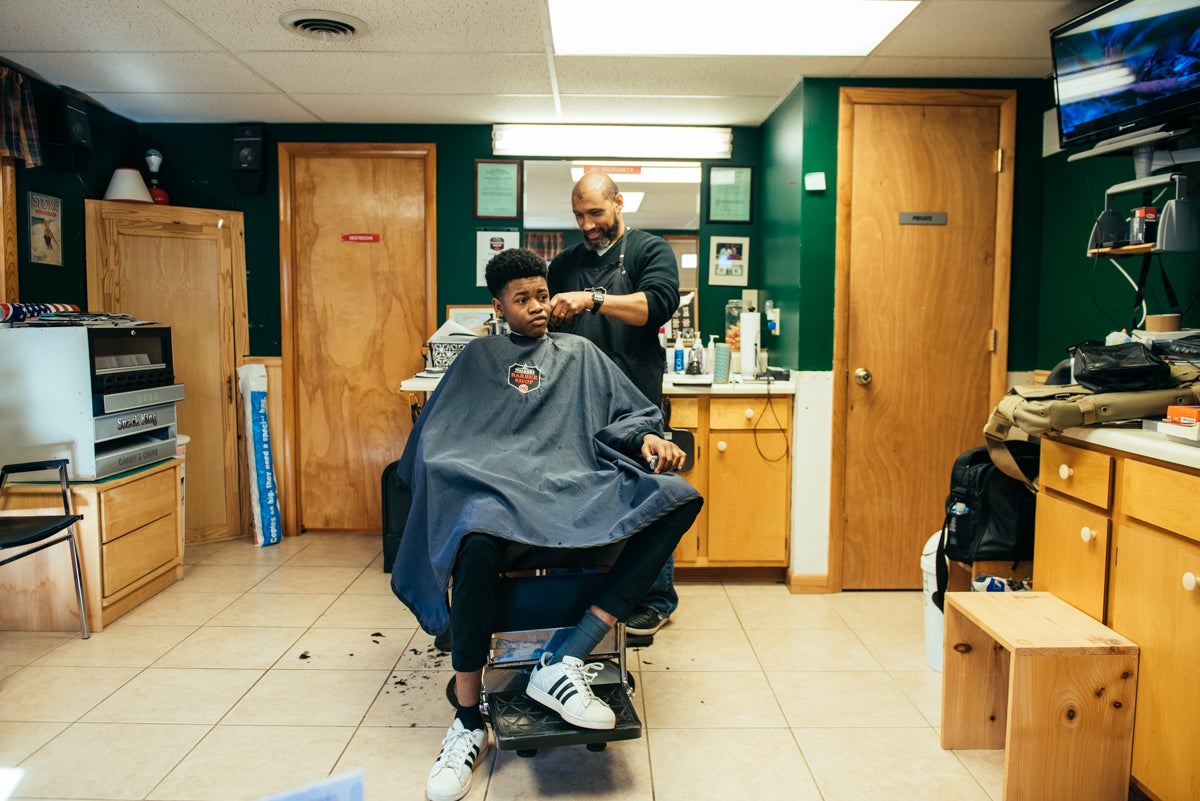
(357, 239)
(924, 229)
(185, 268)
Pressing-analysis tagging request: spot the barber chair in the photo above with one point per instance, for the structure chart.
(544, 592)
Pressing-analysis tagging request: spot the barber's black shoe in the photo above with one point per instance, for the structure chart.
(645, 622)
(443, 642)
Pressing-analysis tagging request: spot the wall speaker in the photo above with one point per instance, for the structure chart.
(247, 160)
(69, 138)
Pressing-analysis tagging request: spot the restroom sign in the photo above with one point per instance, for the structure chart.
(362, 237)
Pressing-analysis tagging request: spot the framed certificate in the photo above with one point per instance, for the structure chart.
(729, 194)
(497, 189)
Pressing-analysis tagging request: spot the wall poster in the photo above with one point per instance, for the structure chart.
(45, 229)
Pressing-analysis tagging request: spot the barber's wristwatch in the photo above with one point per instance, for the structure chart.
(598, 293)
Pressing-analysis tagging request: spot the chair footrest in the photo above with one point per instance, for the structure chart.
(519, 722)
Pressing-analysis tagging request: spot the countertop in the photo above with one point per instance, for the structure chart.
(422, 384)
(1137, 441)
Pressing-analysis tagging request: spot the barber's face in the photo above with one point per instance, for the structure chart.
(524, 303)
(597, 218)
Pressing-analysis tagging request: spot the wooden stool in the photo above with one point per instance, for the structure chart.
(1030, 673)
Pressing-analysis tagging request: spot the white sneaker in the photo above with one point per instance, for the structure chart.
(450, 777)
(566, 687)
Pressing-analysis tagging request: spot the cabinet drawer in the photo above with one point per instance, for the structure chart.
(135, 504)
(685, 413)
(1162, 497)
(1080, 473)
(1070, 553)
(138, 553)
(746, 413)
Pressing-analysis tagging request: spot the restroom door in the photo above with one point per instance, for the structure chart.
(923, 251)
(357, 273)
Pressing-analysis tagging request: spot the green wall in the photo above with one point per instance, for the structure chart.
(1085, 298)
(1060, 295)
(799, 232)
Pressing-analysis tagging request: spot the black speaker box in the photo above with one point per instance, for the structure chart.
(69, 135)
(247, 158)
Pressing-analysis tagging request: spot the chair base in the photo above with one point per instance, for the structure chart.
(521, 724)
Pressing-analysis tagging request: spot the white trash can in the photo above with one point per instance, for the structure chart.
(934, 619)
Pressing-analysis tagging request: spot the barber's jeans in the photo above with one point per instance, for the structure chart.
(661, 597)
(480, 560)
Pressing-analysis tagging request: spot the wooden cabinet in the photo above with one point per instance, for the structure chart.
(184, 268)
(743, 470)
(1071, 540)
(130, 548)
(1148, 579)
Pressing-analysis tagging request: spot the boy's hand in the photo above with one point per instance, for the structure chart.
(662, 455)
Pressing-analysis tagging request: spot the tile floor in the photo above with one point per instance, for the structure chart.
(268, 668)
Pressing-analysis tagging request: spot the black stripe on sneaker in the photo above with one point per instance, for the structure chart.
(563, 689)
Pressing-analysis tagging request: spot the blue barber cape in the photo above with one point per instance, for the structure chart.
(525, 439)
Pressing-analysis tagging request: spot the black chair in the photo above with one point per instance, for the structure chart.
(20, 530)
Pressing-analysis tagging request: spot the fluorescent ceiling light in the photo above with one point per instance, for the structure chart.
(633, 201)
(711, 28)
(638, 172)
(612, 141)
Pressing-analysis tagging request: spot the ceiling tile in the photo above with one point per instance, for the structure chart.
(69, 25)
(409, 73)
(732, 75)
(968, 28)
(204, 108)
(448, 26)
(429, 109)
(146, 72)
(936, 67)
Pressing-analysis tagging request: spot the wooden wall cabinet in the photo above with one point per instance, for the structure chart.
(1151, 564)
(185, 268)
(743, 470)
(130, 548)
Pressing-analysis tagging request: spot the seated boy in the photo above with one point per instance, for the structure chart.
(531, 438)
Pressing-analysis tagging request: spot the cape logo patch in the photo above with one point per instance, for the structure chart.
(524, 377)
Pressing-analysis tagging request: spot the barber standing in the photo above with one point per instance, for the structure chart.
(617, 288)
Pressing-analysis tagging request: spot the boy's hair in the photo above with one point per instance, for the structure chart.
(510, 264)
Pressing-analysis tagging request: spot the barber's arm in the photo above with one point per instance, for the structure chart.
(632, 309)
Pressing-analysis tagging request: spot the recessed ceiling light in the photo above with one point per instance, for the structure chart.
(325, 26)
(713, 28)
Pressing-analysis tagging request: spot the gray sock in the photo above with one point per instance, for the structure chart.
(585, 636)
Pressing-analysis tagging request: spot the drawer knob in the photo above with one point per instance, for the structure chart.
(1086, 534)
(721, 446)
(1065, 471)
(749, 414)
(1189, 581)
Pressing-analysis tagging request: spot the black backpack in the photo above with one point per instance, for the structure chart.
(989, 515)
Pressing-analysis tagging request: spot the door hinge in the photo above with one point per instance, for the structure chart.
(993, 340)
(999, 160)
(228, 389)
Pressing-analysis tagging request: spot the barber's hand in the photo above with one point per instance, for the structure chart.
(566, 305)
(670, 456)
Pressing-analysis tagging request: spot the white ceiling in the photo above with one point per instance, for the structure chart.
(466, 61)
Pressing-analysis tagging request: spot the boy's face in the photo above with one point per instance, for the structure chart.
(524, 303)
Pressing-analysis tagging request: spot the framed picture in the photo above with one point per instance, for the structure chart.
(488, 244)
(497, 189)
(473, 317)
(729, 262)
(729, 194)
(45, 229)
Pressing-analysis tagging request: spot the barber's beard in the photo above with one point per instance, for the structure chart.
(606, 238)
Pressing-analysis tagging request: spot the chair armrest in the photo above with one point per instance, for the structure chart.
(30, 467)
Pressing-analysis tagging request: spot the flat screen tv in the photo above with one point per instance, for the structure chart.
(1127, 66)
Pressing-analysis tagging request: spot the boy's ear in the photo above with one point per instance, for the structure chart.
(499, 312)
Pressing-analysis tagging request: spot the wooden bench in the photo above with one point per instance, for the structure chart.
(1027, 672)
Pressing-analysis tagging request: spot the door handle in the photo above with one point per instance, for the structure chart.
(862, 376)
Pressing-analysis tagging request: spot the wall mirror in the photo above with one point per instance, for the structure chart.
(662, 197)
